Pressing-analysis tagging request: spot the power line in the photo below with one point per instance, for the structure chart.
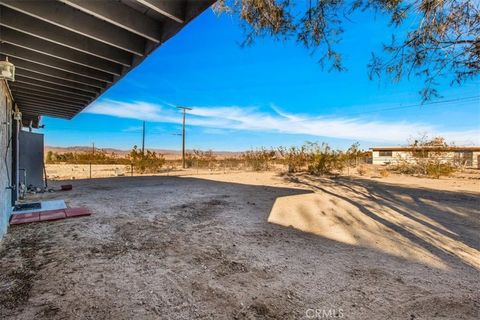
(472, 98)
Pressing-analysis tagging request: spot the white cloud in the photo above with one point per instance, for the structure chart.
(251, 119)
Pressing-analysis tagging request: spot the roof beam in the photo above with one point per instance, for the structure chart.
(42, 84)
(76, 21)
(45, 106)
(44, 96)
(26, 54)
(21, 64)
(120, 15)
(21, 100)
(26, 41)
(171, 9)
(57, 81)
(27, 115)
(49, 92)
(34, 109)
(46, 101)
(46, 31)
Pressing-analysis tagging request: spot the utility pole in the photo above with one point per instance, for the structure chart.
(143, 139)
(93, 154)
(184, 110)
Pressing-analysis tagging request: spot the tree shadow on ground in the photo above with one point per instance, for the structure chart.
(443, 223)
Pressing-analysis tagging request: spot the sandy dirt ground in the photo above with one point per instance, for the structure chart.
(250, 246)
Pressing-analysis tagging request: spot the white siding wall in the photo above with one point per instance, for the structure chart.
(5, 158)
(396, 155)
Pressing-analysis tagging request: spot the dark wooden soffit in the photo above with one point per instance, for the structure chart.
(68, 52)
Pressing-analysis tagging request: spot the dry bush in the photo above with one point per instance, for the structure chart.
(429, 157)
(149, 162)
(200, 159)
(319, 158)
(362, 170)
(294, 157)
(437, 170)
(232, 163)
(384, 172)
(259, 160)
(322, 159)
(97, 156)
(353, 154)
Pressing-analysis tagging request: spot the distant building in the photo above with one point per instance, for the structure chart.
(467, 156)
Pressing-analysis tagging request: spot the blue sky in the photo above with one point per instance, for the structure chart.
(268, 94)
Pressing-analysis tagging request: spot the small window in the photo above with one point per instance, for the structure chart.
(385, 153)
(465, 157)
(420, 154)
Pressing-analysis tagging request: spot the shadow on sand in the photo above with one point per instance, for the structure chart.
(424, 225)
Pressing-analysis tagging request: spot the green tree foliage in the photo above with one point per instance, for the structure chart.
(439, 38)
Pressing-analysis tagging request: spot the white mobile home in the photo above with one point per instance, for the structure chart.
(467, 156)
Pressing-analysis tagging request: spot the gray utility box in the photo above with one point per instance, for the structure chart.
(31, 158)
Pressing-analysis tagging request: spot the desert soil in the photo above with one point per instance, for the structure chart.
(249, 246)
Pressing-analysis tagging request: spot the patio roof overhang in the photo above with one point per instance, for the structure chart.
(68, 52)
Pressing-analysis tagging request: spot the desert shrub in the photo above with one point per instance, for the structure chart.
(319, 158)
(149, 162)
(259, 160)
(322, 159)
(231, 163)
(353, 154)
(404, 167)
(362, 170)
(436, 170)
(294, 157)
(200, 159)
(384, 172)
(428, 157)
(97, 156)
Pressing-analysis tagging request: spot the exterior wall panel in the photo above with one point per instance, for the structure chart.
(408, 156)
(5, 158)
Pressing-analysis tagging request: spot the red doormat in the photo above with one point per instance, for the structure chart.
(50, 215)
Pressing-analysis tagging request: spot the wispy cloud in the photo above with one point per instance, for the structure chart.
(251, 119)
(133, 129)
